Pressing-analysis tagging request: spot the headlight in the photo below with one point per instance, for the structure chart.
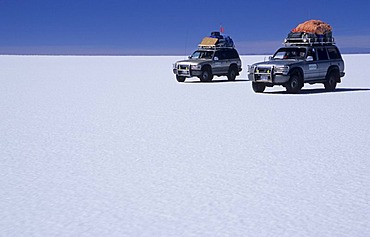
(195, 67)
(282, 70)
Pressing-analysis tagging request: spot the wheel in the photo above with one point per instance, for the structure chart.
(258, 87)
(180, 78)
(206, 75)
(331, 81)
(294, 84)
(231, 75)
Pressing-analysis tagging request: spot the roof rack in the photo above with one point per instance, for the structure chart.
(288, 42)
(202, 46)
(302, 38)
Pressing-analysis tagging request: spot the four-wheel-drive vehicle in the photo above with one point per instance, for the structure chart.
(294, 65)
(306, 58)
(210, 59)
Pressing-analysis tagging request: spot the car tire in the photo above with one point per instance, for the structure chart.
(331, 81)
(180, 78)
(231, 75)
(294, 85)
(206, 75)
(258, 87)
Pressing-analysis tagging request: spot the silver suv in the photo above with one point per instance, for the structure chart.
(295, 64)
(208, 62)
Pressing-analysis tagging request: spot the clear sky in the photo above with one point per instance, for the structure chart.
(170, 27)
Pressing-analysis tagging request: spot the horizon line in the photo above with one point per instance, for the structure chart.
(143, 55)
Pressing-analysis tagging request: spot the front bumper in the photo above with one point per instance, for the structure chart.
(269, 74)
(270, 78)
(187, 72)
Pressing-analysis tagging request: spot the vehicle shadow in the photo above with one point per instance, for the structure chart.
(217, 81)
(319, 91)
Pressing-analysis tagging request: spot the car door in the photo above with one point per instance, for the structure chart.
(217, 63)
(311, 67)
(323, 61)
(221, 62)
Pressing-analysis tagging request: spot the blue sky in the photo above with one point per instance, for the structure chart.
(169, 27)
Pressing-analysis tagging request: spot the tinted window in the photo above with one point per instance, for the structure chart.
(234, 53)
(221, 55)
(312, 53)
(231, 54)
(321, 52)
(333, 53)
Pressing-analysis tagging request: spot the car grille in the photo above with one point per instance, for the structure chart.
(183, 67)
(183, 70)
(263, 70)
(264, 73)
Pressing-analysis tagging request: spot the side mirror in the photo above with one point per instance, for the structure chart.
(189, 57)
(309, 59)
(267, 58)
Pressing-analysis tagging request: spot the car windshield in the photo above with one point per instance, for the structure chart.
(202, 55)
(290, 53)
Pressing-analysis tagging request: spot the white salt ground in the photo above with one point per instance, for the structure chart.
(114, 146)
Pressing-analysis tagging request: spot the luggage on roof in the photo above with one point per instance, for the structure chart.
(314, 26)
(208, 41)
(309, 32)
(217, 40)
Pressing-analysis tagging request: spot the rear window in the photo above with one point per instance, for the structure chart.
(333, 53)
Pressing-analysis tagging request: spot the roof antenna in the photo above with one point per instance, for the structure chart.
(186, 43)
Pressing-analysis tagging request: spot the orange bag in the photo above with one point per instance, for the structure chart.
(313, 26)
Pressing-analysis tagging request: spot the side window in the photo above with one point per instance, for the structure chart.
(231, 54)
(322, 54)
(227, 54)
(224, 54)
(333, 53)
(220, 55)
(312, 53)
(234, 54)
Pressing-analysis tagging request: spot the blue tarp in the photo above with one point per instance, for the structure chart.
(223, 40)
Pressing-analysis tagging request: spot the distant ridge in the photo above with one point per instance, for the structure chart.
(355, 50)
